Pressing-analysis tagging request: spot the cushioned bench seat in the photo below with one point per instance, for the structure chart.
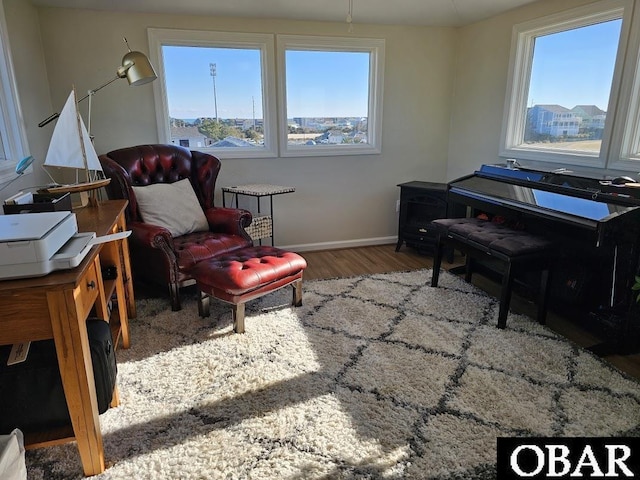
(515, 249)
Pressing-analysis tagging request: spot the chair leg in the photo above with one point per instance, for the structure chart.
(543, 299)
(399, 244)
(297, 293)
(437, 261)
(238, 317)
(203, 304)
(450, 253)
(505, 296)
(468, 268)
(174, 295)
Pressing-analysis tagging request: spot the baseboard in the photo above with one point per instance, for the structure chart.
(360, 242)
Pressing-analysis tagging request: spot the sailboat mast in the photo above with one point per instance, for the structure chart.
(80, 136)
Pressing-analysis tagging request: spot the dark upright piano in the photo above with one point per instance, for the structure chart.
(597, 228)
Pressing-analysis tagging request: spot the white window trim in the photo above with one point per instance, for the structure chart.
(522, 43)
(159, 37)
(375, 47)
(625, 150)
(12, 124)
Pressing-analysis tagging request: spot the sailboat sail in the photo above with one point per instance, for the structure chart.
(66, 149)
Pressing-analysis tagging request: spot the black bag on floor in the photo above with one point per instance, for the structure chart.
(31, 394)
(103, 359)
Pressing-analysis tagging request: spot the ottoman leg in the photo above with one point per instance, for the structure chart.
(203, 304)
(297, 293)
(238, 317)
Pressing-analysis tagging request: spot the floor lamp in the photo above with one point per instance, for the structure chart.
(137, 69)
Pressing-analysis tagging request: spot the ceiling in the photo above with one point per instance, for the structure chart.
(397, 12)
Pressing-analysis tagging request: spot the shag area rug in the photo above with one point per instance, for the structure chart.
(374, 377)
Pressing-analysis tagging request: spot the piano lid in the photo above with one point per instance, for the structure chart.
(563, 181)
(587, 212)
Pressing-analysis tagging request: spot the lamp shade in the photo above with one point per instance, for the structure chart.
(138, 68)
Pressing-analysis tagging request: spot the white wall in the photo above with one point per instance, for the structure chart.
(31, 77)
(481, 83)
(339, 201)
(443, 105)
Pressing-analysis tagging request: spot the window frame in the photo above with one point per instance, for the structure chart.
(626, 140)
(159, 37)
(12, 131)
(376, 49)
(520, 65)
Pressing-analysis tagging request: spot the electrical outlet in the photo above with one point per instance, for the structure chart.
(397, 205)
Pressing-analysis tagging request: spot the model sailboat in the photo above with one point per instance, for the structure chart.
(71, 147)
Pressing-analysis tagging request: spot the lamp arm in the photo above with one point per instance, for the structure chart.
(91, 92)
(54, 116)
(48, 120)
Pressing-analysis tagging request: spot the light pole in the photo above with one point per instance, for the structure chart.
(212, 67)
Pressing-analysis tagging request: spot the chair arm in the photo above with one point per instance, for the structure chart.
(151, 235)
(229, 220)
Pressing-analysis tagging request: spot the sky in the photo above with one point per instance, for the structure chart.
(190, 84)
(575, 67)
(319, 84)
(327, 84)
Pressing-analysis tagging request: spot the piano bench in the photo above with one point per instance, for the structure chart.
(514, 249)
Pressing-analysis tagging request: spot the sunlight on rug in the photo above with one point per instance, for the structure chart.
(377, 376)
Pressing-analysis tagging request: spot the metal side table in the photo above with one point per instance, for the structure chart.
(262, 225)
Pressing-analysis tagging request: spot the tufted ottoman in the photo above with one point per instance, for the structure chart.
(246, 274)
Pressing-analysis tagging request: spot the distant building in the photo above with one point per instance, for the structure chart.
(232, 142)
(189, 137)
(335, 136)
(553, 120)
(591, 118)
(359, 137)
(331, 136)
(248, 124)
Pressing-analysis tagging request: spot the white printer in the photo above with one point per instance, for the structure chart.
(35, 244)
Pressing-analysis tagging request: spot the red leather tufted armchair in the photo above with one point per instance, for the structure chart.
(156, 256)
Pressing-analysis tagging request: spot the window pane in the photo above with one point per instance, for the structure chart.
(3, 155)
(570, 84)
(214, 96)
(13, 139)
(327, 97)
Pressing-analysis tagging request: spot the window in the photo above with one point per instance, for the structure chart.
(629, 138)
(330, 95)
(569, 87)
(216, 91)
(13, 143)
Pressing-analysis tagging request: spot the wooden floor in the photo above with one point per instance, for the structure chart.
(381, 259)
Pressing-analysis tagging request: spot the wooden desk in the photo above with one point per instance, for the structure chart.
(108, 217)
(57, 306)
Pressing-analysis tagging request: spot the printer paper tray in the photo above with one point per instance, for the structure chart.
(74, 251)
